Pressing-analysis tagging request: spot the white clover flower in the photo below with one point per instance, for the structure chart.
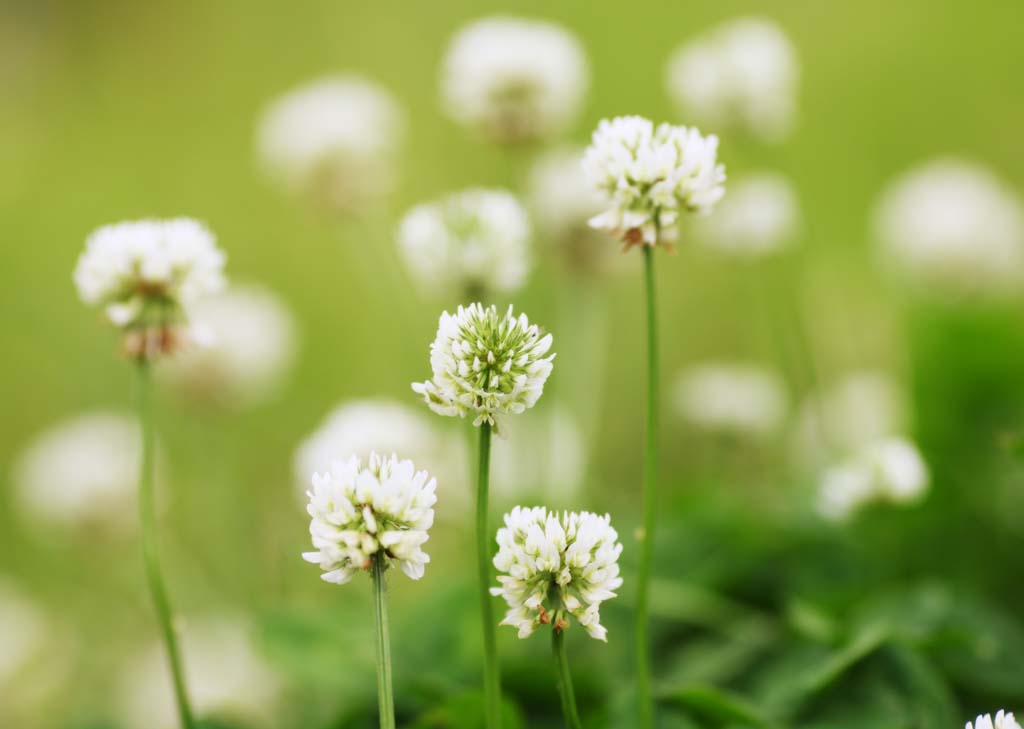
(553, 566)
(741, 75)
(760, 216)
(334, 141)
(227, 678)
(544, 454)
(649, 175)
(890, 469)
(147, 273)
(81, 471)
(385, 507)
(1003, 720)
(487, 364)
(246, 345)
(731, 398)
(514, 80)
(953, 228)
(473, 241)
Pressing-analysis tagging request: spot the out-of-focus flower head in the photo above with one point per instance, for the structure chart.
(555, 566)
(227, 679)
(741, 75)
(647, 176)
(954, 229)
(514, 80)
(475, 242)
(82, 471)
(731, 398)
(334, 141)
(244, 344)
(23, 631)
(147, 274)
(386, 507)
(486, 364)
(758, 217)
(890, 470)
(1003, 720)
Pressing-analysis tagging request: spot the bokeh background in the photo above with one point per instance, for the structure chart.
(767, 614)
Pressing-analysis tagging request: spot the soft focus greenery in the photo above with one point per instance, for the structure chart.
(765, 616)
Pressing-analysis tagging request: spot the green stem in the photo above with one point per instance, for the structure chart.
(492, 677)
(385, 693)
(650, 478)
(565, 690)
(150, 549)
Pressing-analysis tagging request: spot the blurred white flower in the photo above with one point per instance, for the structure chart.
(647, 176)
(741, 75)
(544, 454)
(83, 470)
(247, 344)
(227, 678)
(474, 241)
(514, 79)
(731, 398)
(953, 228)
(334, 141)
(890, 469)
(147, 273)
(385, 507)
(23, 631)
(1003, 720)
(552, 566)
(486, 364)
(759, 216)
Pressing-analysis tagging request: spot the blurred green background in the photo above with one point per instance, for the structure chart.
(766, 615)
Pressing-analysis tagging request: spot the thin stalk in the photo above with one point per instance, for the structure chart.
(385, 693)
(650, 482)
(565, 690)
(492, 676)
(150, 548)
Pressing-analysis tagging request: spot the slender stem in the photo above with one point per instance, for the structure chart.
(385, 693)
(565, 690)
(650, 478)
(492, 677)
(150, 549)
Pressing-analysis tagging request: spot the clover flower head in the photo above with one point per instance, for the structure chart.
(244, 343)
(486, 364)
(513, 79)
(385, 507)
(731, 398)
(333, 141)
(555, 566)
(741, 75)
(952, 228)
(890, 469)
(647, 176)
(147, 273)
(1003, 720)
(475, 241)
(759, 217)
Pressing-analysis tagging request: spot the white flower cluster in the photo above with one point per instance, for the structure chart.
(742, 75)
(487, 364)
(475, 241)
(359, 511)
(245, 344)
(760, 216)
(732, 398)
(648, 175)
(81, 471)
(554, 566)
(147, 273)
(953, 228)
(513, 79)
(890, 470)
(334, 141)
(1003, 720)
